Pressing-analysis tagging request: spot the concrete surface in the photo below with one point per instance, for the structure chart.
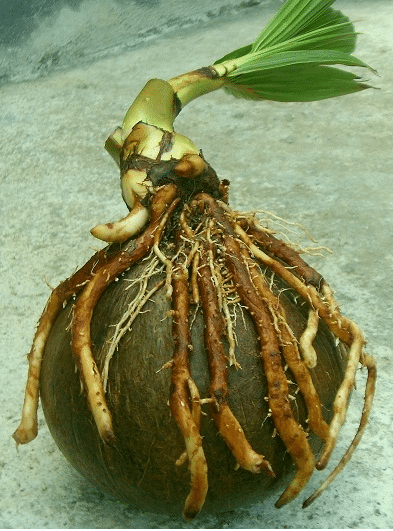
(40, 36)
(327, 165)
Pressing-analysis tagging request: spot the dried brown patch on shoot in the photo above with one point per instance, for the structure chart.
(227, 424)
(181, 396)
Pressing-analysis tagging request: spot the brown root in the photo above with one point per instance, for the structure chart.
(340, 327)
(322, 303)
(289, 430)
(316, 292)
(291, 355)
(180, 399)
(27, 430)
(81, 342)
(290, 257)
(226, 422)
(205, 254)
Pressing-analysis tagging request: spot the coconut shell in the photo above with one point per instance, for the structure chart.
(139, 467)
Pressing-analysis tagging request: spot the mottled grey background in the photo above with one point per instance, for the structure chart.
(327, 165)
(39, 36)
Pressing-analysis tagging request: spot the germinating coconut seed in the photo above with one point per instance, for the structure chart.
(215, 365)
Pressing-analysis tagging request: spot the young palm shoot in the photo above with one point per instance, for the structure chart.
(216, 263)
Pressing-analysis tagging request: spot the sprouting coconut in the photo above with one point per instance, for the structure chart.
(209, 352)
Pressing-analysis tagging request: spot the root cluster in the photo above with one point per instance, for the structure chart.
(216, 259)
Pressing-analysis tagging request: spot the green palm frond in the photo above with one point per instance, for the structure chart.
(288, 60)
(296, 18)
(301, 82)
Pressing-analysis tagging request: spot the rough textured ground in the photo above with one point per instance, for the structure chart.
(327, 165)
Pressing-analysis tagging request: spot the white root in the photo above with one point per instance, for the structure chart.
(223, 304)
(28, 427)
(341, 401)
(194, 283)
(306, 339)
(130, 315)
(196, 403)
(125, 228)
(169, 268)
(328, 296)
(198, 470)
(367, 361)
(231, 336)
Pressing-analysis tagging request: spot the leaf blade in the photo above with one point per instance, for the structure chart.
(305, 38)
(299, 82)
(259, 62)
(290, 20)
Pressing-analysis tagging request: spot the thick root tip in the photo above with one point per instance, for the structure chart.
(268, 468)
(107, 232)
(120, 231)
(108, 437)
(103, 421)
(189, 515)
(326, 453)
(279, 504)
(298, 483)
(259, 465)
(190, 166)
(308, 502)
(284, 499)
(321, 464)
(25, 435)
(101, 231)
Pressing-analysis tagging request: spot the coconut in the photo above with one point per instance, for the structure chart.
(139, 467)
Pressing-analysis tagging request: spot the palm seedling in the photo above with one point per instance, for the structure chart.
(235, 318)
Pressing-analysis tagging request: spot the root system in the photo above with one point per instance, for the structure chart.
(218, 260)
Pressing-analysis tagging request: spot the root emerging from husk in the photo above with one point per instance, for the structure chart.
(217, 259)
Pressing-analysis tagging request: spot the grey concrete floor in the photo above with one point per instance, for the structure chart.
(327, 165)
